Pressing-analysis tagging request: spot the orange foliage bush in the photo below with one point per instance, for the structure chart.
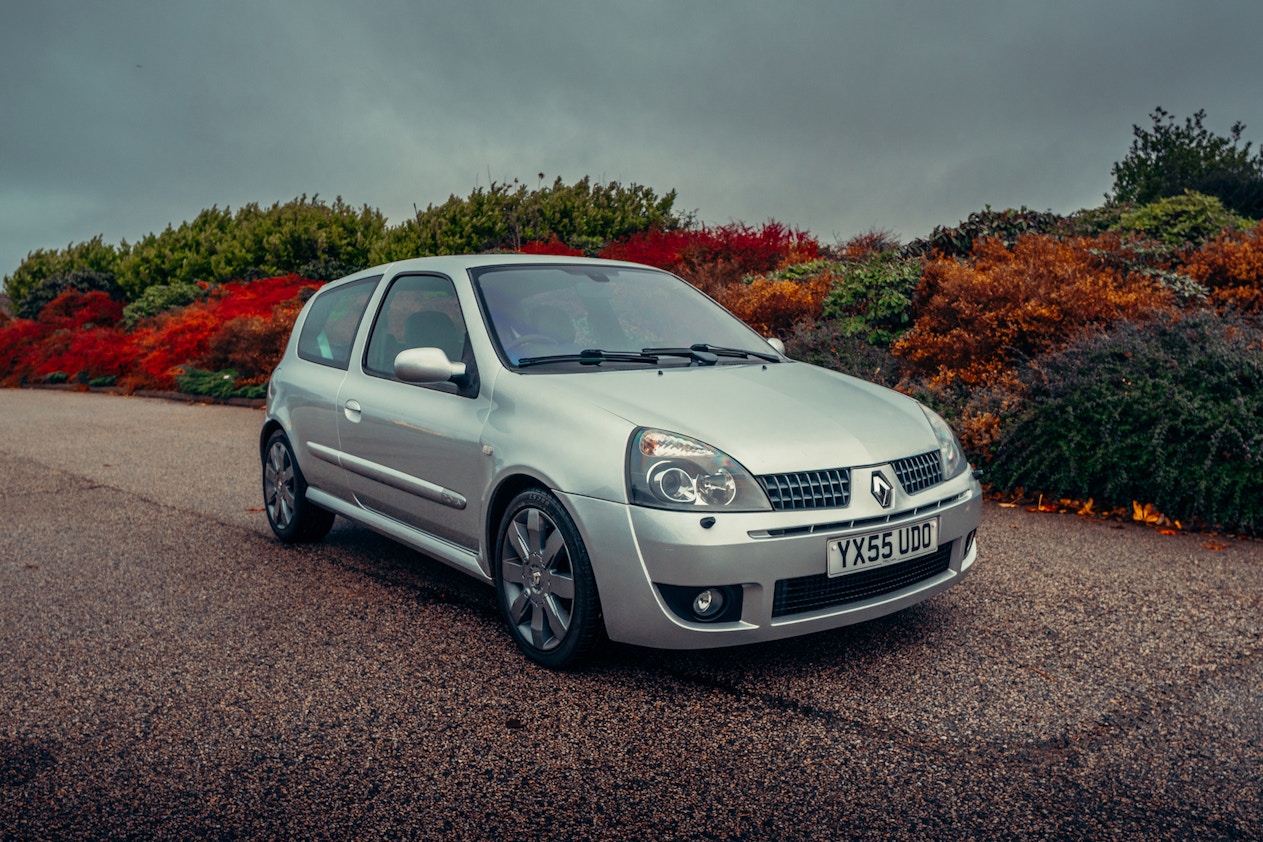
(976, 320)
(773, 308)
(1231, 267)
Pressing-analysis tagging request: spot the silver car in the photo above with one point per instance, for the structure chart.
(613, 451)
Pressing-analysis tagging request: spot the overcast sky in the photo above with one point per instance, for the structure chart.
(118, 118)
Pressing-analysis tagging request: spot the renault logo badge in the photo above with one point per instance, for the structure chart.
(883, 491)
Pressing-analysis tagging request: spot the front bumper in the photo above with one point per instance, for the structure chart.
(636, 550)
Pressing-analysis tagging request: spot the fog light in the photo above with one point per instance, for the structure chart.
(708, 603)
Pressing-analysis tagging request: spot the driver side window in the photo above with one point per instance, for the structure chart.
(418, 311)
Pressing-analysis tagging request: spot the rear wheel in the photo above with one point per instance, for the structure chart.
(544, 582)
(291, 515)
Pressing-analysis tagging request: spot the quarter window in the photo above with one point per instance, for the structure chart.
(334, 319)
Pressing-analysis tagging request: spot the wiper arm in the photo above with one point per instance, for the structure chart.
(736, 352)
(697, 355)
(591, 356)
(704, 354)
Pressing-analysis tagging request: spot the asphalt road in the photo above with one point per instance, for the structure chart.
(168, 670)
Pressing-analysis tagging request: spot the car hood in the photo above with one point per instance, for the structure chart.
(772, 419)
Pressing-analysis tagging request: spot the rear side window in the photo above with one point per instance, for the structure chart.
(330, 328)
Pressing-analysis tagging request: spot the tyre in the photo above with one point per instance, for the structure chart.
(291, 515)
(544, 582)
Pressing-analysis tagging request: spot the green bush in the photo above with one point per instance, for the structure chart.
(216, 384)
(506, 216)
(158, 299)
(93, 256)
(1189, 220)
(1170, 158)
(872, 299)
(1169, 413)
(219, 246)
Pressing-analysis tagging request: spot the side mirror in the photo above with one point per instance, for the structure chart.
(777, 345)
(425, 366)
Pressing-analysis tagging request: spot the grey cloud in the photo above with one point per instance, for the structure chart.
(830, 117)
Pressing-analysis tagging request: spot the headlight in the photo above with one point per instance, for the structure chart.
(949, 449)
(670, 471)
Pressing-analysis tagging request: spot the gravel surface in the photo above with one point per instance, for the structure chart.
(168, 670)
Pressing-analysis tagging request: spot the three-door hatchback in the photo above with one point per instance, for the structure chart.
(613, 451)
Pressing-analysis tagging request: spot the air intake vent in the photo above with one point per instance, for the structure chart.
(829, 489)
(917, 473)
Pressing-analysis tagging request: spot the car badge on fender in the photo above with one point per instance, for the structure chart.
(883, 491)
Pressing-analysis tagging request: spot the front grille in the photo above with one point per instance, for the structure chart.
(828, 489)
(811, 593)
(917, 473)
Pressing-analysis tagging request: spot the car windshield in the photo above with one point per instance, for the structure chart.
(592, 317)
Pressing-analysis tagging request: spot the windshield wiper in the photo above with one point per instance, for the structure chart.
(591, 356)
(736, 352)
(706, 354)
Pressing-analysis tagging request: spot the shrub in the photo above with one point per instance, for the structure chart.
(714, 258)
(773, 307)
(251, 345)
(865, 245)
(21, 342)
(1169, 158)
(89, 353)
(159, 299)
(216, 384)
(1231, 266)
(1006, 226)
(826, 345)
(976, 321)
(552, 245)
(218, 246)
(872, 299)
(74, 309)
(91, 256)
(77, 280)
(504, 216)
(1169, 413)
(1185, 221)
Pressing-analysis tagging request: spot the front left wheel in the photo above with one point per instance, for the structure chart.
(544, 582)
(291, 515)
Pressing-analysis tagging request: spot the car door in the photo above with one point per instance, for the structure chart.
(412, 452)
(312, 382)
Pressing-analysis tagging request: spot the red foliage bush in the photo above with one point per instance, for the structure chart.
(74, 309)
(1231, 266)
(251, 345)
(746, 249)
(89, 352)
(976, 320)
(21, 343)
(553, 245)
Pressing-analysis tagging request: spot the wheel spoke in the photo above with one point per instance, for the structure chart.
(537, 630)
(562, 585)
(519, 606)
(554, 549)
(534, 529)
(514, 572)
(558, 617)
(518, 541)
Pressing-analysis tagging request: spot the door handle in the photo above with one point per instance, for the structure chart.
(352, 411)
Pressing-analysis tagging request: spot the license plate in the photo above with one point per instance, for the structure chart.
(877, 549)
